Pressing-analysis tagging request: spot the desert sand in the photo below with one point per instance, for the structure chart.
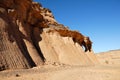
(64, 72)
(101, 71)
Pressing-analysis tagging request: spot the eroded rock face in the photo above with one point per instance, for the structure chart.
(12, 49)
(25, 41)
(76, 37)
(64, 50)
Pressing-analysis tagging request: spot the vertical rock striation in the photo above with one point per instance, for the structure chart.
(30, 36)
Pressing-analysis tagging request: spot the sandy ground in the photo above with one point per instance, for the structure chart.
(99, 72)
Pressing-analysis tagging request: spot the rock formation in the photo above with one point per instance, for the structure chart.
(109, 57)
(30, 36)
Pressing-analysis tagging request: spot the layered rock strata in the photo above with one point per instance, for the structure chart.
(30, 36)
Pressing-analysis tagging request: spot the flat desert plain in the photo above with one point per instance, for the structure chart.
(65, 72)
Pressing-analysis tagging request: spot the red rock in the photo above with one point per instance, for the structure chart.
(30, 36)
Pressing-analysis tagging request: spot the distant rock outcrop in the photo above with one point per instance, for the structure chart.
(109, 57)
(30, 36)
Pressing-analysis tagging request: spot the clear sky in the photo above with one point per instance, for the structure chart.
(98, 19)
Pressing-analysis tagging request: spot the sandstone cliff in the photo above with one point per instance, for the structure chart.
(30, 36)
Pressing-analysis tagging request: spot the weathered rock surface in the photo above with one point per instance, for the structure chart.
(64, 50)
(26, 39)
(109, 57)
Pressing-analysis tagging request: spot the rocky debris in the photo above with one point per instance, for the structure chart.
(17, 75)
(24, 42)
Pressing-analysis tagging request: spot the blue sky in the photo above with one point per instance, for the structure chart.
(98, 19)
